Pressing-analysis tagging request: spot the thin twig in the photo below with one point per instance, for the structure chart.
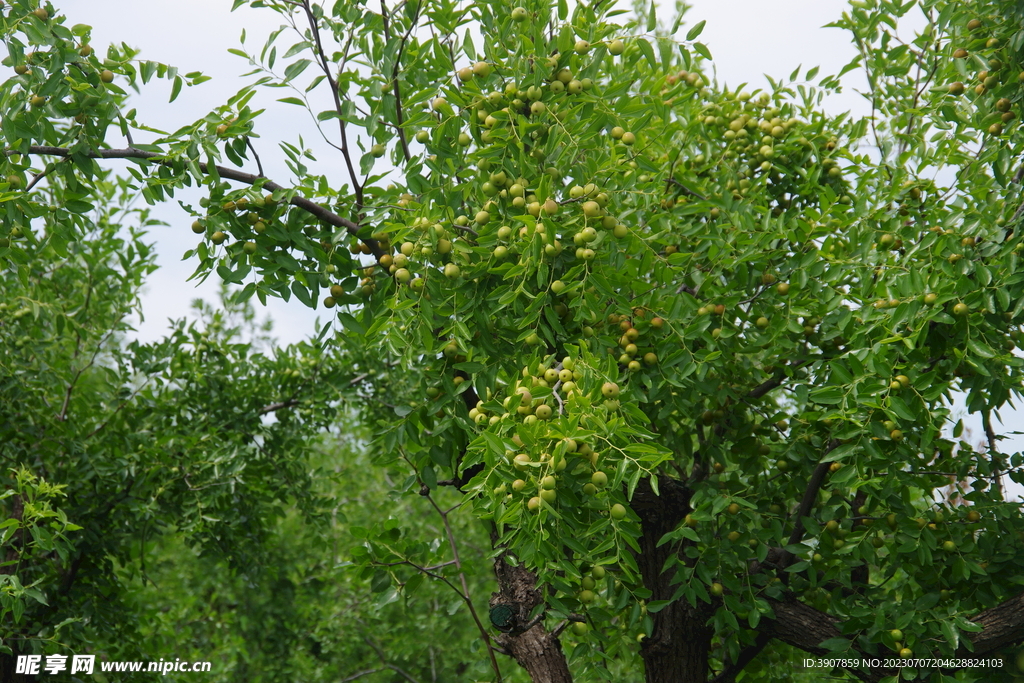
(986, 420)
(39, 176)
(394, 667)
(465, 586)
(325, 65)
(255, 155)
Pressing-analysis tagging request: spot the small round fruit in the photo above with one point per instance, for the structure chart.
(930, 298)
(578, 628)
(717, 590)
(547, 482)
(628, 138)
(377, 150)
(733, 509)
(41, 14)
(956, 88)
(533, 503)
(521, 461)
(218, 237)
(906, 653)
(519, 14)
(762, 322)
(249, 247)
(616, 47)
(734, 536)
(598, 572)
(973, 516)
(903, 380)
(599, 479)
(896, 634)
(548, 496)
(543, 412)
(21, 69)
(589, 489)
(452, 271)
(960, 310)
(197, 227)
(37, 101)
(618, 511)
(610, 390)
(107, 76)
(896, 435)
(587, 597)
(482, 69)
(422, 137)
(949, 546)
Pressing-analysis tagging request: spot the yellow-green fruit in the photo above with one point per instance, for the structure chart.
(249, 247)
(197, 227)
(717, 590)
(533, 503)
(37, 101)
(598, 573)
(618, 511)
(107, 76)
(41, 14)
(519, 14)
(599, 479)
(628, 138)
(548, 496)
(218, 237)
(587, 597)
(616, 47)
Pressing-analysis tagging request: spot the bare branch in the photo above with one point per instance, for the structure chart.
(465, 587)
(255, 156)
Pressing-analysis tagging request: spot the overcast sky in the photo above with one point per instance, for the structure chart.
(747, 39)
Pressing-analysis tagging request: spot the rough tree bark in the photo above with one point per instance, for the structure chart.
(677, 649)
(535, 648)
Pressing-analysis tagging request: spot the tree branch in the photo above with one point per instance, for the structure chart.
(399, 116)
(310, 207)
(747, 655)
(325, 65)
(810, 494)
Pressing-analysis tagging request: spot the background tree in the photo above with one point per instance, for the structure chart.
(717, 421)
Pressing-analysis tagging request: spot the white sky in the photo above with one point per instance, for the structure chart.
(747, 38)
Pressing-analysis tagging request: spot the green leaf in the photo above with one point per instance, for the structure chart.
(648, 51)
(702, 50)
(696, 30)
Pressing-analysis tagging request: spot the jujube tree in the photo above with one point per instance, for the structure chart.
(688, 352)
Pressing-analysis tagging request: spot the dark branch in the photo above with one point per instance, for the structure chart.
(306, 205)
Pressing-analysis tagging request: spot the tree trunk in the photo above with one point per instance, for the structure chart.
(677, 649)
(535, 648)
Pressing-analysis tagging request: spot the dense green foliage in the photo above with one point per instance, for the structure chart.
(589, 276)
